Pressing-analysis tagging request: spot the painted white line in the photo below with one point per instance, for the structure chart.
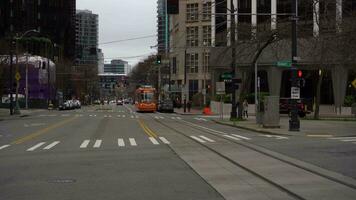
(118, 115)
(349, 140)
(161, 117)
(84, 144)
(132, 141)
(105, 116)
(173, 118)
(242, 137)
(179, 118)
(120, 142)
(65, 115)
(153, 140)
(109, 115)
(132, 117)
(342, 138)
(232, 137)
(280, 137)
(197, 139)
(164, 140)
(136, 116)
(206, 138)
(97, 143)
(4, 146)
(123, 115)
(36, 146)
(52, 115)
(197, 119)
(156, 117)
(51, 145)
(208, 129)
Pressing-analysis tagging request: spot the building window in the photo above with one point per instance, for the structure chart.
(192, 62)
(206, 56)
(192, 36)
(192, 12)
(206, 35)
(207, 11)
(174, 65)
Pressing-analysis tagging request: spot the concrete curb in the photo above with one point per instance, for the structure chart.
(251, 129)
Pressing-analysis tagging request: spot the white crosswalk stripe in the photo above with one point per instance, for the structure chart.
(120, 142)
(36, 146)
(345, 139)
(154, 141)
(197, 139)
(242, 137)
(206, 138)
(132, 141)
(4, 146)
(85, 144)
(164, 140)
(51, 145)
(132, 116)
(231, 137)
(97, 143)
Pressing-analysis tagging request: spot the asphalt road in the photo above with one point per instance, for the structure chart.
(113, 152)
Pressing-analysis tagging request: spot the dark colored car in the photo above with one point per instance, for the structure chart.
(165, 106)
(285, 107)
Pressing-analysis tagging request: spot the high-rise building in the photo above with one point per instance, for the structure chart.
(162, 26)
(116, 67)
(54, 19)
(86, 37)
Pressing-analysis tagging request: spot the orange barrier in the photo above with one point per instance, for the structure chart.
(207, 111)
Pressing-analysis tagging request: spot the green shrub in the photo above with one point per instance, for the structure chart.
(349, 100)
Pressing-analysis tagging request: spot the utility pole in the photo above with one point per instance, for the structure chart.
(233, 114)
(294, 123)
(11, 78)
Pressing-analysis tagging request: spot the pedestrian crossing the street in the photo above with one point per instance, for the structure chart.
(345, 139)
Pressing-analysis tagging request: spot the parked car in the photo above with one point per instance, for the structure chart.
(119, 102)
(77, 104)
(66, 105)
(285, 107)
(165, 106)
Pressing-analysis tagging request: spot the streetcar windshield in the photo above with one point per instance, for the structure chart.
(146, 97)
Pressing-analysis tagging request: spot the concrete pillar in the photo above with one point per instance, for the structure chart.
(338, 15)
(213, 23)
(273, 14)
(254, 18)
(274, 75)
(316, 17)
(339, 76)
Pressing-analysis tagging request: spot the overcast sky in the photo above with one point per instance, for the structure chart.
(124, 19)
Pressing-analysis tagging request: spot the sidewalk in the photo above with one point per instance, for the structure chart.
(311, 128)
(5, 113)
(193, 111)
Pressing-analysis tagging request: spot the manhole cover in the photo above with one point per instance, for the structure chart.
(65, 180)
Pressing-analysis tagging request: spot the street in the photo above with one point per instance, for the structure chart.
(113, 152)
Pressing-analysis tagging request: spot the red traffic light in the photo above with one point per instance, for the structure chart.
(300, 73)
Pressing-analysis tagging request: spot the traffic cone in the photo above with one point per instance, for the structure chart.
(207, 111)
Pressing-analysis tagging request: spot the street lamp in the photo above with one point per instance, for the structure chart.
(14, 41)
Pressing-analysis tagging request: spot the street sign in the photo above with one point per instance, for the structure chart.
(295, 93)
(17, 76)
(354, 83)
(203, 91)
(226, 76)
(284, 63)
(220, 87)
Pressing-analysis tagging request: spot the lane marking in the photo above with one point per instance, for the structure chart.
(118, 115)
(84, 144)
(315, 135)
(97, 143)
(197, 139)
(206, 138)
(349, 140)
(147, 130)
(153, 140)
(340, 138)
(123, 115)
(208, 129)
(232, 137)
(132, 141)
(242, 137)
(132, 117)
(164, 140)
(36, 146)
(120, 142)
(4, 146)
(43, 131)
(51, 145)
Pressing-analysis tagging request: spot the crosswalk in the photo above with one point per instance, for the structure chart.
(205, 139)
(95, 144)
(200, 119)
(351, 140)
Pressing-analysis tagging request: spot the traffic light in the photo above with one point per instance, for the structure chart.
(158, 59)
(300, 73)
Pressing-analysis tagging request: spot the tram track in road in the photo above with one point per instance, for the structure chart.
(252, 147)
